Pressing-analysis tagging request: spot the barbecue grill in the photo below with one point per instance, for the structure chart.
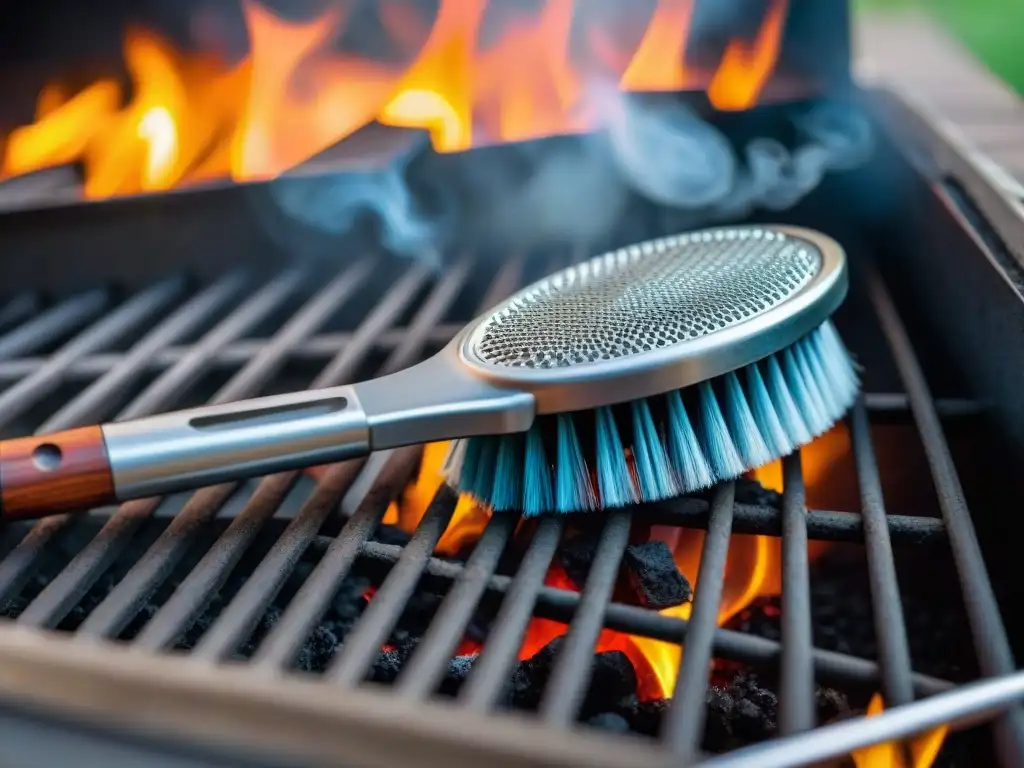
(167, 630)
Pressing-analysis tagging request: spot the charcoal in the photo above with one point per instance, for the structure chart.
(576, 554)
(612, 679)
(742, 713)
(531, 675)
(391, 534)
(750, 491)
(609, 721)
(654, 576)
(458, 670)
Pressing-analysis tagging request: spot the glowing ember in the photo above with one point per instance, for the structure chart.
(191, 117)
(921, 750)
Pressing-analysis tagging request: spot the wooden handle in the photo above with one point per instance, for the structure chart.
(62, 472)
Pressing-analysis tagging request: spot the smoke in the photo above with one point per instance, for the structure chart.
(575, 190)
(669, 154)
(335, 204)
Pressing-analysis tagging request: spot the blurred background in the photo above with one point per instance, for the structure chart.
(991, 29)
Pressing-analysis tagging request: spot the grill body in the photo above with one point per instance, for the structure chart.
(230, 330)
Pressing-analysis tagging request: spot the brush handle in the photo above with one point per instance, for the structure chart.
(92, 466)
(50, 474)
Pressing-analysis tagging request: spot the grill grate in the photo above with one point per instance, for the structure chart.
(406, 322)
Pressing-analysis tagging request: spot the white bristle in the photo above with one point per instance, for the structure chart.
(779, 403)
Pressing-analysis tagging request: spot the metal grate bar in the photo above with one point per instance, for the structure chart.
(198, 589)
(683, 724)
(570, 676)
(897, 402)
(890, 628)
(92, 404)
(990, 640)
(561, 604)
(319, 349)
(492, 669)
(61, 595)
(309, 604)
(124, 601)
(18, 310)
(279, 648)
(424, 670)
(261, 588)
(364, 643)
(822, 525)
(52, 324)
(796, 668)
(104, 333)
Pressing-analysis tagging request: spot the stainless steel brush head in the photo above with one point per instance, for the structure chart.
(658, 316)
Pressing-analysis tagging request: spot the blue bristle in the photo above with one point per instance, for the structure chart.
(684, 449)
(470, 462)
(785, 407)
(483, 478)
(573, 490)
(768, 422)
(810, 355)
(654, 472)
(745, 434)
(538, 495)
(807, 404)
(784, 401)
(614, 480)
(508, 475)
(725, 460)
(837, 363)
(812, 389)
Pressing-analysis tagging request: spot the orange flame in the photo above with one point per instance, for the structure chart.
(192, 118)
(921, 750)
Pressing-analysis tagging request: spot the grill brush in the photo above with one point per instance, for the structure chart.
(646, 372)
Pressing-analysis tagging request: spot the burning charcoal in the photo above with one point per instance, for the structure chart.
(609, 721)
(654, 576)
(576, 555)
(458, 671)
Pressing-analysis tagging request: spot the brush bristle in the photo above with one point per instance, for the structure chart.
(661, 447)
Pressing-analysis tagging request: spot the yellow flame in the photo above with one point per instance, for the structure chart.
(922, 750)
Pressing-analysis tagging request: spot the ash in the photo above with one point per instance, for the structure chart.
(741, 703)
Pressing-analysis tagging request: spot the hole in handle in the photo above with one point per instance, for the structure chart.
(47, 456)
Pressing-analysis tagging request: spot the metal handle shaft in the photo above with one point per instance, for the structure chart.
(215, 444)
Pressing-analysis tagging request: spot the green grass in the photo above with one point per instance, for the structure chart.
(992, 29)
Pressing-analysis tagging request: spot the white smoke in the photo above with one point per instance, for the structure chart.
(574, 191)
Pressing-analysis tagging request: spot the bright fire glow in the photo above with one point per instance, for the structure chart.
(922, 750)
(753, 567)
(191, 117)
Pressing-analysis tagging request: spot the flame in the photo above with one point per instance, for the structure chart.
(921, 750)
(745, 67)
(190, 118)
